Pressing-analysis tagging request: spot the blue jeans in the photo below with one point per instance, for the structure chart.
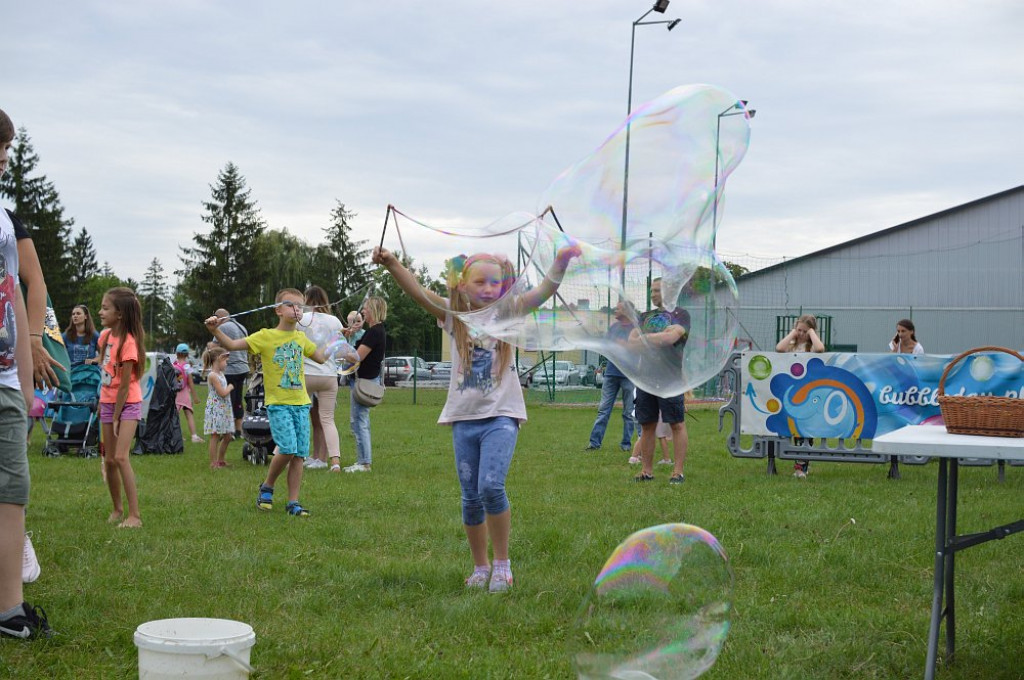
(609, 391)
(483, 453)
(359, 420)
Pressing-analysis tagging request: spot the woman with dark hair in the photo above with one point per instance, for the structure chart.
(905, 342)
(81, 336)
(322, 328)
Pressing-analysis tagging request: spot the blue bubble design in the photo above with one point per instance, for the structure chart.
(826, 401)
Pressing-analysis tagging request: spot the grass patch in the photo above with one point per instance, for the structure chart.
(371, 585)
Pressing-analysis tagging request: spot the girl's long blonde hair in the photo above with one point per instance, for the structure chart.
(458, 301)
(211, 355)
(812, 323)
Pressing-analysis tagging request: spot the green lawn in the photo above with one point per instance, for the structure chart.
(832, 573)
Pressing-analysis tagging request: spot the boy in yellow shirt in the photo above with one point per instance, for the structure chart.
(281, 350)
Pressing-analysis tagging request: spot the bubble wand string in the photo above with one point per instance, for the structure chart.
(368, 287)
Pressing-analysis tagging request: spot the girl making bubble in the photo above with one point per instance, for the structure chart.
(218, 421)
(485, 403)
(121, 350)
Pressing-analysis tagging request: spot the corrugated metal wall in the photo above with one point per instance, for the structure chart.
(959, 275)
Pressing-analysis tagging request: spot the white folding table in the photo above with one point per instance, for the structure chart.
(923, 440)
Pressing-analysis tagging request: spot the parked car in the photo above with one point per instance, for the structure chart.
(565, 373)
(399, 369)
(441, 370)
(525, 375)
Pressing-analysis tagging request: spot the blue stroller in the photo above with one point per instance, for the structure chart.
(71, 420)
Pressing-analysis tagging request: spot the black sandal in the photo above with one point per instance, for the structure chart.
(643, 477)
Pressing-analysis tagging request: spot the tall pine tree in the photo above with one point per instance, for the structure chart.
(83, 259)
(339, 263)
(37, 204)
(224, 267)
(157, 316)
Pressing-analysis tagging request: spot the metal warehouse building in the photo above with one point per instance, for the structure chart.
(957, 274)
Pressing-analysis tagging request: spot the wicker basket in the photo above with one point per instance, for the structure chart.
(991, 416)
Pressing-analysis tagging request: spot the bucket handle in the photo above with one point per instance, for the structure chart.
(234, 656)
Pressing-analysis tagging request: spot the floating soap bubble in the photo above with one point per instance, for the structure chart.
(683, 146)
(343, 353)
(676, 144)
(658, 610)
(526, 255)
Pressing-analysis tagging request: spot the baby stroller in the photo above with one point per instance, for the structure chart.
(71, 420)
(258, 448)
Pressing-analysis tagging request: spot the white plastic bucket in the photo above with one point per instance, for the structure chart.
(212, 649)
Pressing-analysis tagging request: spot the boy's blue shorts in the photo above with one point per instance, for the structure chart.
(289, 425)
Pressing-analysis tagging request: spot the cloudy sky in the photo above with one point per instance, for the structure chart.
(869, 114)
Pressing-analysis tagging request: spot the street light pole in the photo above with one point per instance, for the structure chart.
(659, 6)
(737, 109)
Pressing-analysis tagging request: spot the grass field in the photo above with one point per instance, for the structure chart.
(832, 573)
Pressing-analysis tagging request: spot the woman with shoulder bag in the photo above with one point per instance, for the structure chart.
(370, 348)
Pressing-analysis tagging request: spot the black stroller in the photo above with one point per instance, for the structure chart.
(258, 448)
(71, 420)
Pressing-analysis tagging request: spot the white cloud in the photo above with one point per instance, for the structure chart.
(460, 112)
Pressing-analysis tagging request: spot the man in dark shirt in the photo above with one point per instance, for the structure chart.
(663, 331)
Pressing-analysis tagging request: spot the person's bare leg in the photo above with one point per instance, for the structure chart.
(277, 465)
(680, 442)
(111, 474)
(126, 435)
(294, 478)
(499, 527)
(225, 439)
(647, 448)
(477, 537)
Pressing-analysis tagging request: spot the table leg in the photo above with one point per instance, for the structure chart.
(954, 474)
(940, 566)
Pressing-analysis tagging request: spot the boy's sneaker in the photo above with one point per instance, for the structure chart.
(676, 479)
(665, 461)
(29, 564)
(265, 499)
(31, 624)
(293, 508)
(358, 467)
(635, 460)
(501, 580)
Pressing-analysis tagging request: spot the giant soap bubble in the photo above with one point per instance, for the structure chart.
(683, 146)
(679, 145)
(693, 283)
(658, 610)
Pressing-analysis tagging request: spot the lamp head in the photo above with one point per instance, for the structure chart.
(673, 23)
(660, 6)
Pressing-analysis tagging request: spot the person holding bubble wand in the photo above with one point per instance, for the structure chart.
(281, 350)
(485, 404)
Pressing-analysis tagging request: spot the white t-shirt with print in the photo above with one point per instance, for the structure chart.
(321, 329)
(474, 392)
(8, 288)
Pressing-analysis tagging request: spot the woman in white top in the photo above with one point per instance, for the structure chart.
(322, 328)
(905, 342)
